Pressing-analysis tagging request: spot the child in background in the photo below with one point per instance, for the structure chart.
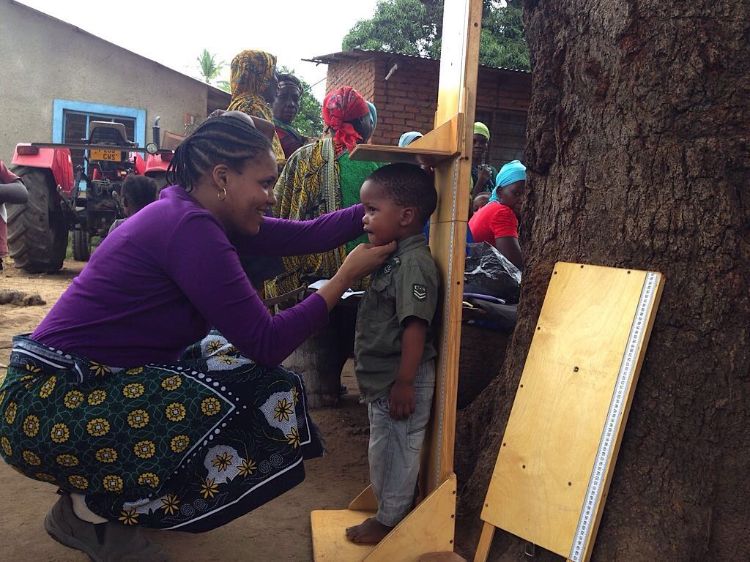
(136, 193)
(481, 200)
(393, 349)
(11, 191)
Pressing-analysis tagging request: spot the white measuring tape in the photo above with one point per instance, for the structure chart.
(614, 417)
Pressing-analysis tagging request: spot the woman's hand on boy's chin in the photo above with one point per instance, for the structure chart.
(366, 258)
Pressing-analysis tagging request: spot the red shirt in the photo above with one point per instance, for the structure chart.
(6, 176)
(493, 221)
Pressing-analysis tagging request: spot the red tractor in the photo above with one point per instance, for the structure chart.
(85, 200)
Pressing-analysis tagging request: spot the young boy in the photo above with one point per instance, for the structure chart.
(481, 200)
(136, 192)
(393, 346)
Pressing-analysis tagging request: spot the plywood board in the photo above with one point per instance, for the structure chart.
(573, 376)
(456, 96)
(428, 528)
(329, 535)
(409, 154)
(436, 146)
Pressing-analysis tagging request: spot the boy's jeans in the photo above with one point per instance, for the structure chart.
(395, 446)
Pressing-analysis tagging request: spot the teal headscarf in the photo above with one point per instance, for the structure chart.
(408, 138)
(510, 173)
(373, 115)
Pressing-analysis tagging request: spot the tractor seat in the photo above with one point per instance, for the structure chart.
(107, 132)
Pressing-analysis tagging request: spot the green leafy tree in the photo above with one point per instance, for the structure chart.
(309, 120)
(208, 66)
(414, 27)
(224, 85)
(409, 27)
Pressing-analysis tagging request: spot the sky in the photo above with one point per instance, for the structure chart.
(174, 32)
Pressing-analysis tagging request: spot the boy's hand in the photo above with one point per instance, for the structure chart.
(401, 401)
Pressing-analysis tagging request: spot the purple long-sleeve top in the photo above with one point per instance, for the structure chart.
(169, 273)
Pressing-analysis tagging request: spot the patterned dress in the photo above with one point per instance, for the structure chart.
(316, 180)
(187, 446)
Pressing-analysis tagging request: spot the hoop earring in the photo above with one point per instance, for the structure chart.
(221, 195)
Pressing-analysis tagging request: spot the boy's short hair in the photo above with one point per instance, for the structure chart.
(408, 185)
(139, 190)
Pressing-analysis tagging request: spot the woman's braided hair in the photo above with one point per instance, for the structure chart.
(224, 139)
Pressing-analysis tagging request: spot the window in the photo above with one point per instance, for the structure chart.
(70, 122)
(509, 132)
(76, 129)
(508, 135)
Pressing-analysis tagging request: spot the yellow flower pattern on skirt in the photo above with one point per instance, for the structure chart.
(73, 399)
(109, 435)
(180, 446)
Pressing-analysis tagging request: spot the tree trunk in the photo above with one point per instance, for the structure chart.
(638, 148)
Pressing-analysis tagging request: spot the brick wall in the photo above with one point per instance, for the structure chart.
(408, 99)
(357, 73)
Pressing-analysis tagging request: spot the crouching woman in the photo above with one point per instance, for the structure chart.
(109, 401)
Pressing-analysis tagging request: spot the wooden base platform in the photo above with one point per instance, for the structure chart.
(429, 528)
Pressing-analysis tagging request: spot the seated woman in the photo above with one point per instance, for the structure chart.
(104, 401)
(320, 178)
(497, 222)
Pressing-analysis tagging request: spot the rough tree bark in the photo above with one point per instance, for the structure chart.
(638, 146)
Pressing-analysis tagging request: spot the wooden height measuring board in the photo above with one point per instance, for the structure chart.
(560, 445)
(430, 526)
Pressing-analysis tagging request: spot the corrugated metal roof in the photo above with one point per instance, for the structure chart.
(364, 53)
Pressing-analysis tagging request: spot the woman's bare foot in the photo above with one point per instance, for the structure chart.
(370, 531)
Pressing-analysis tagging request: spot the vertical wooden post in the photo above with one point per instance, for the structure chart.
(459, 61)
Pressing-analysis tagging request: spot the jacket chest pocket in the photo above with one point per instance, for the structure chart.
(379, 303)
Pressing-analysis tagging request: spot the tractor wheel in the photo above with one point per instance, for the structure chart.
(37, 231)
(81, 245)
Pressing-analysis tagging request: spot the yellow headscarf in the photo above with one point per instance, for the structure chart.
(251, 73)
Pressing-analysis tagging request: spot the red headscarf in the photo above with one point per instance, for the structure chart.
(339, 107)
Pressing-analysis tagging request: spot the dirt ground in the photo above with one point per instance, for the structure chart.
(280, 530)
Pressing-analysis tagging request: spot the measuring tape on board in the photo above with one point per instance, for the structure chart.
(614, 417)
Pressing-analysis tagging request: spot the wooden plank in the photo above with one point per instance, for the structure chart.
(433, 148)
(444, 136)
(485, 542)
(365, 501)
(329, 537)
(428, 528)
(550, 444)
(456, 95)
(388, 153)
(599, 508)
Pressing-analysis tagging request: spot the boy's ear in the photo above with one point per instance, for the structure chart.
(408, 216)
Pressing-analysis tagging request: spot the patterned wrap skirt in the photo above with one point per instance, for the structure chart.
(187, 446)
